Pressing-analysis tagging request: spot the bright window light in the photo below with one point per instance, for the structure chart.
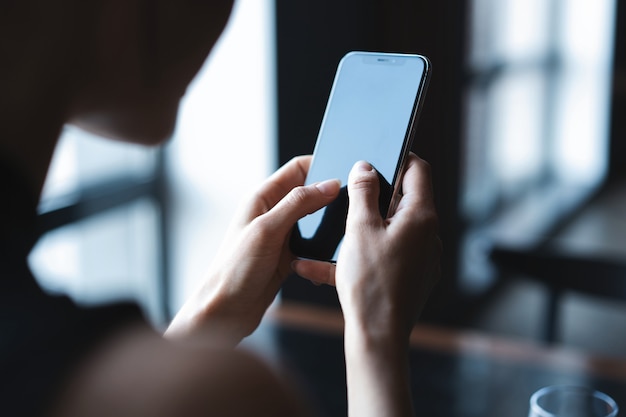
(224, 145)
(583, 107)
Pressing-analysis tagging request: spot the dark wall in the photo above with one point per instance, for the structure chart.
(313, 35)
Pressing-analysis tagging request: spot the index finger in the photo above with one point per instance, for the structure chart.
(417, 185)
(278, 185)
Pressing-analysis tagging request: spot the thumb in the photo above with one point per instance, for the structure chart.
(301, 201)
(363, 191)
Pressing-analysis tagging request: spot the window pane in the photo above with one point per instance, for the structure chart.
(522, 29)
(516, 130)
(583, 92)
(508, 30)
(479, 185)
(581, 129)
(107, 257)
(82, 159)
(537, 112)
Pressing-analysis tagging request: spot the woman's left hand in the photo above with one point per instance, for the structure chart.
(255, 258)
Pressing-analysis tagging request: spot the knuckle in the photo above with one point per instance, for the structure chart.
(424, 226)
(297, 196)
(262, 226)
(364, 181)
(299, 159)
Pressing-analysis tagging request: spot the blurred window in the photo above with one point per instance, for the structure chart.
(536, 112)
(106, 247)
(222, 147)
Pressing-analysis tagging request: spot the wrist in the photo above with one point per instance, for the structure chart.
(377, 325)
(377, 371)
(206, 317)
(375, 338)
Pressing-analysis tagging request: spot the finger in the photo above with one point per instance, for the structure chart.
(363, 190)
(417, 185)
(299, 202)
(287, 177)
(317, 272)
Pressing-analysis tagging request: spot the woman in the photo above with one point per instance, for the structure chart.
(118, 68)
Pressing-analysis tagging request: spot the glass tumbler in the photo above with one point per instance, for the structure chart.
(571, 401)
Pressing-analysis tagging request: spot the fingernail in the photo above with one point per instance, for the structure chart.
(363, 166)
(328, 187)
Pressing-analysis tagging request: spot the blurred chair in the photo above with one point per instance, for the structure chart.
(587, 255)
(560, 272)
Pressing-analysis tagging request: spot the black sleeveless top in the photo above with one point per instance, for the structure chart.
(42, 337)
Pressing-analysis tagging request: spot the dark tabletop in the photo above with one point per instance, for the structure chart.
(454, 373)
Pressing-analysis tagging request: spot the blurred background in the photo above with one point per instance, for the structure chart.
(523, 126)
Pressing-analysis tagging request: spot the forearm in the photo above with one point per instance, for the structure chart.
(384, 273)
(377, 370)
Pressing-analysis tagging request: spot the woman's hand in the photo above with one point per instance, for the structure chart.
(255, 258)
(386, 267)
(385, 271)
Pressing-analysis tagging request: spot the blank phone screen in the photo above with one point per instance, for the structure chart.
(368, 117)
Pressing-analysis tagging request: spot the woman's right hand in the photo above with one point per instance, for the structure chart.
(386, 267)
(385, 271)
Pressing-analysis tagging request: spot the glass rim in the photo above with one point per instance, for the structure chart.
(538, 410)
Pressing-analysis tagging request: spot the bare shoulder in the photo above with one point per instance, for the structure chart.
(138, 373)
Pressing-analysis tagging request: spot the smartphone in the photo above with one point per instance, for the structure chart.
(371, 115)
